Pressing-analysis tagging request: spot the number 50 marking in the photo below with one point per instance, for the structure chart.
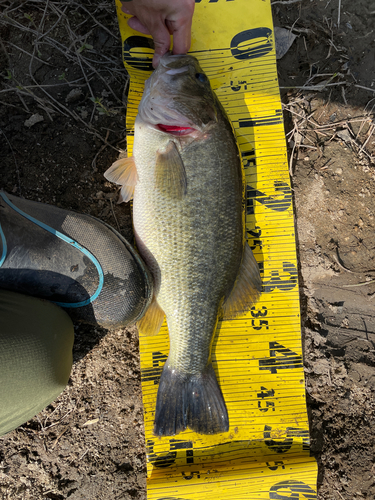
(292, 490)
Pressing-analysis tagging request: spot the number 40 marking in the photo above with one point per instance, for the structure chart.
(287, 359)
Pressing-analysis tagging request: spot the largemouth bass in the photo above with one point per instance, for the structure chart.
(187, 182)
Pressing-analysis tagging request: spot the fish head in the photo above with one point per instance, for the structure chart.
(178, 98)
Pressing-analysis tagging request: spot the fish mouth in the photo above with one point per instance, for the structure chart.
(170, 60)
(175, 129)
(172, 63)
(176, 71)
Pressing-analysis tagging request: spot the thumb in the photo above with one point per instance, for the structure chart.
(162, 43)
(160, 34)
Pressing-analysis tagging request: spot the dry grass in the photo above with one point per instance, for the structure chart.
(63, 29)
(309, 130)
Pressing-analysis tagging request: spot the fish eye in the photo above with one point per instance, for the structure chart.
(201, 77)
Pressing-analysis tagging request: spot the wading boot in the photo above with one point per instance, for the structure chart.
(74, 260)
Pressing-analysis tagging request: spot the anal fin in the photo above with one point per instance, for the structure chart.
(152, 320)
(246, 289)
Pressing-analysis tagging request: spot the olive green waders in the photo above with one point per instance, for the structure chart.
(36, 340)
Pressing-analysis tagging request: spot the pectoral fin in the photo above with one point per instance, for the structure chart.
(246, 289)
(123, 172)
(151, 322)
(170, 172)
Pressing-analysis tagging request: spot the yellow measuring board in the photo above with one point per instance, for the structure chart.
(257, 357)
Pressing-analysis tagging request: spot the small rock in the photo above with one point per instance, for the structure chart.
(36, 118)
(321, 367)
(110, 196)
(344, 135)
(283, 41)
(73, 95)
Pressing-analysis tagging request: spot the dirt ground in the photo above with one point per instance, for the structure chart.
(61, 126)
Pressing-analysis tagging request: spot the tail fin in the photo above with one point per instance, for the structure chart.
(193, 401)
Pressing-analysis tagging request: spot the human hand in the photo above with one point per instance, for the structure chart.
(160, 19)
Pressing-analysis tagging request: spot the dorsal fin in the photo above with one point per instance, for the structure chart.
(124, 173)
(170, 172)
(246, 289)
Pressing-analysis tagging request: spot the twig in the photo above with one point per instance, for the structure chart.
(60, 419)
(15, 106)
(83, 454)
(342, 267)
(73, 83)
(339, 14)
(343, 96)
(307, 31)
(287, 2)
(114, 215)
(96, 21)
(23, 102)
(360, 284)
(372, 128)
(15, 161)
(317, 87)
(56, 23)
(50, 415)
(340, 495)
(41, 24)
(364, 88)
(28, 53)
(93, 163)
(59, 436)
(291, 160)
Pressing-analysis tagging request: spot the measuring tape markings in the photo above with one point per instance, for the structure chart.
(265, 485)
(230, 478)
(229, 453)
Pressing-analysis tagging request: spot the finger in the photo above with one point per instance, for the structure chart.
(159, 34)
(162, 42)
(181, 36)
(124, 7)
(160, 49)
(136, 25)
